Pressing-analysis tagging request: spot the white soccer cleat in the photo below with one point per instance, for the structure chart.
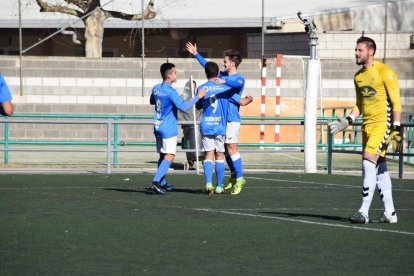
(384, 218)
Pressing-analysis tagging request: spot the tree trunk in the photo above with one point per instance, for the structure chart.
(94, 30)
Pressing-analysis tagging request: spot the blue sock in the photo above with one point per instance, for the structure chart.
(237, 163)
(220, 172)
(208, 170)
(162, 181)
(231, 166)
(162, 170)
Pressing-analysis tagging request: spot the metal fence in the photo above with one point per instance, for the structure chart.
(254, 28)
(112, 143)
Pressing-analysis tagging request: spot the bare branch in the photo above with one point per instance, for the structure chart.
(79, 3)
(45, 7)
(148, 13)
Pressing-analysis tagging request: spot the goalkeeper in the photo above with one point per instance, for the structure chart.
(378, 101)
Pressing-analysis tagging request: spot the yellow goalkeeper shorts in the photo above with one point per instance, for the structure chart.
(373, 137)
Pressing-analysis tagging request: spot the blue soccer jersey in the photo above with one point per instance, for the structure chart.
(236, 82)
(215, 108)
(5, 95)
(167, 101)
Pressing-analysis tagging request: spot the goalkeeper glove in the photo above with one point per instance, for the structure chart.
(340, 124)
(395, 139)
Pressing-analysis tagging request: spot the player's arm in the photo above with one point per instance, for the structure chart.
(192, 49)
(245, 101)
(390, 80)
(237, 83)
(152, 100)
(340, 124)
(199, 103)
(184, 106)
(6, 106)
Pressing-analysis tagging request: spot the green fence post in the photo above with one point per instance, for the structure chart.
(6, 142)
(116, 143)
(409, 137)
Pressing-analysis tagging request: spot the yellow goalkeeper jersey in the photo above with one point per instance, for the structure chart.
(377, 93)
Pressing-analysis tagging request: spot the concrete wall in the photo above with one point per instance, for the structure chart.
(331, 45)
(113, 86)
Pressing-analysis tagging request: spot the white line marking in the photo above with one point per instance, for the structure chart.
(306, 221)
(292, 157)
(316, 183)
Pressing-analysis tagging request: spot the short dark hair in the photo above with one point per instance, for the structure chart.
(211, 69)
(233, 56)
(165, 69)
(369, 42)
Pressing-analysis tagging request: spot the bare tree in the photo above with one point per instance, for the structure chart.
(94, 22)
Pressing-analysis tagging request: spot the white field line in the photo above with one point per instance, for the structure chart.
(306, 221)
(314, 183)
(292, 157)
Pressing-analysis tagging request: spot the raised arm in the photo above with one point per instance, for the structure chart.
(192, 49)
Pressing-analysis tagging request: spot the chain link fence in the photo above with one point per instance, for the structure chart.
(254, 29)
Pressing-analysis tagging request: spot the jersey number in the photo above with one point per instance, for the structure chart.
(214, 103)
(158, 108)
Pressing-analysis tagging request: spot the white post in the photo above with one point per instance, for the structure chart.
(311, 97)
(196, 130)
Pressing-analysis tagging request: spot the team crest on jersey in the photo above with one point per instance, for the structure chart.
(367, 91)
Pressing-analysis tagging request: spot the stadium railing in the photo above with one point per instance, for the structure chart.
(409, 126)
(112, 142)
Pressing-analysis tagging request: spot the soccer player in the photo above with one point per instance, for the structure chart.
(236, 81)
(167, 101)
(6, 106)
(378, 101)
(213, 124)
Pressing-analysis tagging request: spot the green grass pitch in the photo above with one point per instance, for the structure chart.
(281, 224)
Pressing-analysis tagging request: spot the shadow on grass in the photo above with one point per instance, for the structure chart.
(189, 191)
(174, 166)
(294, 215)
(146, 191)
(142, 191)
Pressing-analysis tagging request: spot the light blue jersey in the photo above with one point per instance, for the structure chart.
(167, 101)
(215, 108)
(236, 82)
(5, 95)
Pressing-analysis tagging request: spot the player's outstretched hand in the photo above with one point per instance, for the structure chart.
(245, 101)
(219, 81)
(338, 125)
(191, 48)
(201, 93)
(395, 139)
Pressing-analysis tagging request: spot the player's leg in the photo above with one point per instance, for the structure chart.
(232, 180)
(167, 148)
(220, 149)
(238, 166)
(385, 190)
(232, 138)
(208, 147)
(372, 137)
(163, 182)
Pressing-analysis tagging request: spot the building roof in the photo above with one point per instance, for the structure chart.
(189, 13)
